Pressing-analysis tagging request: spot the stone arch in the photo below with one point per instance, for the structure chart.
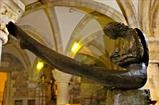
(10, 63)
(85, 6)
(75, 36)
(92, 5)
(12, 53)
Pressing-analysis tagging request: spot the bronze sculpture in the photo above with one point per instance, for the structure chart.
(134, 59)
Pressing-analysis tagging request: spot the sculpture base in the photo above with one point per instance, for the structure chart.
(129, 97)
(101, 96)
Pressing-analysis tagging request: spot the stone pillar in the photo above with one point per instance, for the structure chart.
(153, 70)
(153, 81)
(62, 80)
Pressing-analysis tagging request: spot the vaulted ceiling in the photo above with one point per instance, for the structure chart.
(59, 24)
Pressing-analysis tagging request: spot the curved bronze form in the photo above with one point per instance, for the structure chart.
(135, 62)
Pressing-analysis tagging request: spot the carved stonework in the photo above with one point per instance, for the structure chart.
(75, 90)
(20, 84)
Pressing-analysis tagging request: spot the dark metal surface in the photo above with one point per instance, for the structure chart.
(133, 77)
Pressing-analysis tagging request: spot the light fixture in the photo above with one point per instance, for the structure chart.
(39, 65)
(75, 47)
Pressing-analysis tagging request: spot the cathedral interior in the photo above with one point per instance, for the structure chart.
(73, 28)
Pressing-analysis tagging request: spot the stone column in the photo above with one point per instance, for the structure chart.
(62, 80)
(153, 70)
(153, 81)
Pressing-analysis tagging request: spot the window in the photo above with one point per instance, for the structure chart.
(18, 102)
(31, 102)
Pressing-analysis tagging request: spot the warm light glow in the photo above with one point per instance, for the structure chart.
(3, 78)
(39, 65)
(76, 46)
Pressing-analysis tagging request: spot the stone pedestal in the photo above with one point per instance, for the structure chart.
(95, 94)
(128, 97)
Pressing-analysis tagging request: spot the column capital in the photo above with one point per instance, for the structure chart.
(61, 77)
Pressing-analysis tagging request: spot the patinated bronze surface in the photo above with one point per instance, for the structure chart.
(134, 58)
